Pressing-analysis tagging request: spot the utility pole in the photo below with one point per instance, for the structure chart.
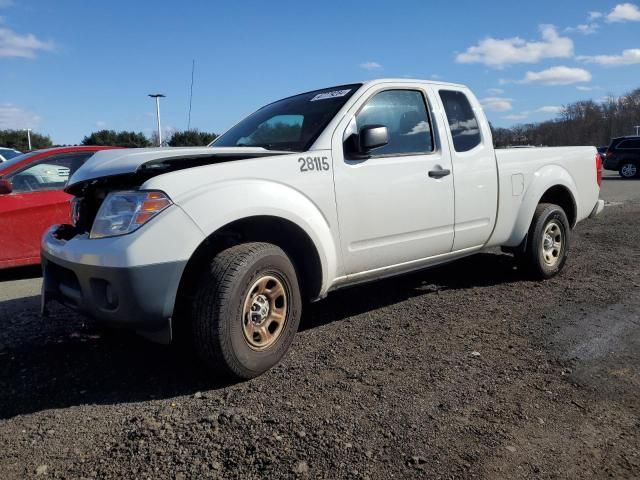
(28, 137)
(158, 96)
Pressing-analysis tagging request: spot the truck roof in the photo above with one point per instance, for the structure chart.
(409, 80)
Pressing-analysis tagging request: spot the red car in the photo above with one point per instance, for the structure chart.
(31, 199)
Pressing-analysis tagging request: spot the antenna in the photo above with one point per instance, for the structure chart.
(193, 67)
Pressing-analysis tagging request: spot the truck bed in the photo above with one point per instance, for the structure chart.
(571, 167)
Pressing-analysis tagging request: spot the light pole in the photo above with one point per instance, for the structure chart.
(28, 137)
(158, 96)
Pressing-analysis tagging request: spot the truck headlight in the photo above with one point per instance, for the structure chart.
(125, 212)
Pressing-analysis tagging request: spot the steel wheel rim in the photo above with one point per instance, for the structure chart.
(629, 170)
(264, 312)
(552, 243)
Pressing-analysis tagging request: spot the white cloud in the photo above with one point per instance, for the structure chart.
(549, 109)
(585, 28)
(497, 104)
(16, 118)
(584, 88)
(595, 15)
(13, 44)
(421, 127)
(516, 116)
(6, 3)
(101, 124)
(624, 12)
(558, 76)
(371, 66)
(525, 114)
(495, 91)
(500, 52)
(630, 56)
(607, 99)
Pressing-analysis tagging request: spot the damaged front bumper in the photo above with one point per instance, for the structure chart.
(139, 298)
(130, 281)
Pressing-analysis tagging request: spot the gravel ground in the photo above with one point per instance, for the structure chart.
(467, 371)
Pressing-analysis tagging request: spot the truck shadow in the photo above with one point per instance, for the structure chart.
(61, 361)
(481, 270)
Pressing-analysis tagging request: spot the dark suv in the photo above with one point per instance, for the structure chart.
(623, 155)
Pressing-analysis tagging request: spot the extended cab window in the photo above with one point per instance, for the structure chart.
(50, 174)
(464, 126)
(404, 113)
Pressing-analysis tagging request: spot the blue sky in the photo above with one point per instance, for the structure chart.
(70, 67)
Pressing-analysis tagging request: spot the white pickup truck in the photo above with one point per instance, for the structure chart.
(308, 194)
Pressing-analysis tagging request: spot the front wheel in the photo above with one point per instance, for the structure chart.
(547, 242)
(628, 170)
(247, 310)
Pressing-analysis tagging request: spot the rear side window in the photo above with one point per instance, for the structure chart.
(464, 126)
(404, 113)
(627, 144)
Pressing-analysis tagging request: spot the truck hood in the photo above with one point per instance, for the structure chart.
(109, 163)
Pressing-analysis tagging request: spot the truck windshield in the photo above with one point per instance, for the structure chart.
(290, 124)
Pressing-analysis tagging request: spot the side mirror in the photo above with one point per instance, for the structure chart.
(371, 137)
(5, 186)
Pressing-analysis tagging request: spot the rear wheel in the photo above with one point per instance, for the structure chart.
(547, 242)
(628, 170)
(247, 310)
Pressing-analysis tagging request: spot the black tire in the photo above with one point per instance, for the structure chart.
(533, 258)
(217, 319)
(629, 170)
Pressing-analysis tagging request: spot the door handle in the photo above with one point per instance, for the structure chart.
(439, 173)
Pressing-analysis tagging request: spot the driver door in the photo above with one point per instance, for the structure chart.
(395, 206)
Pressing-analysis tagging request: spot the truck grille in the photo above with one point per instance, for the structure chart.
(84, 211)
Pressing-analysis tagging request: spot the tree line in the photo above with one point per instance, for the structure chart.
(18, 140)
(186, 138)
(585, 122)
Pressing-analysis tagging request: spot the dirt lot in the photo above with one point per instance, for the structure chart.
(464, 371)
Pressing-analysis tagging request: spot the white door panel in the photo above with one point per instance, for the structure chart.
(390, 211)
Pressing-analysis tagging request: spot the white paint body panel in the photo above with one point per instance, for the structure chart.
(390, 211)
(540, 169)
(367, 219)
(107, 163)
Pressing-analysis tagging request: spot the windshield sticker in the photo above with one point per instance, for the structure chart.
(327, 95)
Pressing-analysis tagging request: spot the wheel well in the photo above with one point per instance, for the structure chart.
(562, 197)
(285, 234)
